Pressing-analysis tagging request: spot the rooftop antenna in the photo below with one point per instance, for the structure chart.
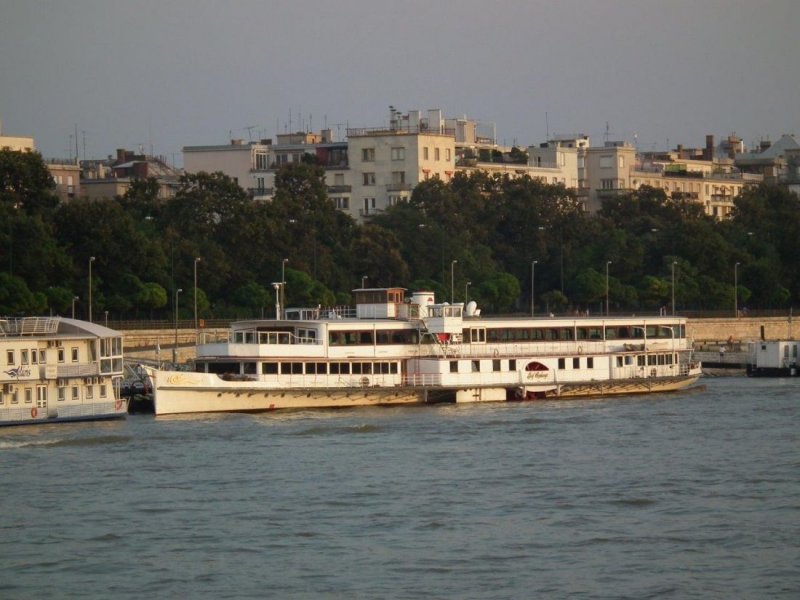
(547, 126)
(607, 133)
(250, 132)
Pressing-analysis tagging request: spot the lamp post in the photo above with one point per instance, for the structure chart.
(466, 292)
(175, 347)
(736, 290)
(74, 299)
(608, 309)
(533, 279)
(196, 260)
(283, 287)
(91, 260)
(673, 287)
(452, 280)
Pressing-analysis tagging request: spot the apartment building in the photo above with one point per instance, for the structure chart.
(616, 168)
(65, 172)
(387, 163)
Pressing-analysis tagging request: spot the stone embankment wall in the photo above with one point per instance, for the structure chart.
(741, 330)
(708, 334)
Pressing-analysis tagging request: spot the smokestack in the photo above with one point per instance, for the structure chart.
(708, 153)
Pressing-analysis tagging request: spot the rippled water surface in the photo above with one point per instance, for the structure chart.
(691, 495)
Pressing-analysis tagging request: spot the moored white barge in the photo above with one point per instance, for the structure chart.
(392, 351)
(54, 369)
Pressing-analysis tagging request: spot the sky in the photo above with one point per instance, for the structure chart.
(163, 74)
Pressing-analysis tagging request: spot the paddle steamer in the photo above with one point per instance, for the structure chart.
(389, 350)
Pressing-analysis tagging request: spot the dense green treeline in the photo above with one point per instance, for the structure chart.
(477, 237)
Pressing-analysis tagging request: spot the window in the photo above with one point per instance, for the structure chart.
(495, 365)
(454, 366)
(476, 366)
(34, 357)
(590, 362)
(75, 393)
(342, 203)
(435, 154)
(28, 395)
(61, 355)
(512, 365)
(606, 161)
(447, 154)
(425, 153)
(62, 393)
(10, 357)
(103, 391)
(576, 363)
(89, 392)
(74, 354)
(261, 161)
(562, 363)
(42, 357)
(23, 354)
(398, 177)
(368, 154)
(398, 153)
(369, 178)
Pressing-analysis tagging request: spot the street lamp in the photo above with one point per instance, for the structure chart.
(196, 260)
(74, 299)
(608, 309)
(175, 347)
(283, 287)
(736, 290)
(466, 292)
(673, 287)
(91, 260)
(452, 280)
(533, 279)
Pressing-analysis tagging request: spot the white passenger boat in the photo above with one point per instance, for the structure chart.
(54, 369)
(392, 351)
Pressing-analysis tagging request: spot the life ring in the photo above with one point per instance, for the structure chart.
(118, 404)
(34, 412)
(580, 349)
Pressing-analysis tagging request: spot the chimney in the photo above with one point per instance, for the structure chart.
(708, 153)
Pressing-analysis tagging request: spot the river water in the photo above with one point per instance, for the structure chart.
(688, 495)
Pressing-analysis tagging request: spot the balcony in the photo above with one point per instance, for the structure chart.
(398, 187)
(340, 189)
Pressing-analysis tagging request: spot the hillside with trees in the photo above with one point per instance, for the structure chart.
(483, 232)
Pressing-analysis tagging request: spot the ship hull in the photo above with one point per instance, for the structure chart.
(184, 393)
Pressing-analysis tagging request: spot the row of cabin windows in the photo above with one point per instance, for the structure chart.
(530, 334)
(475, 365)
(576, 363)
(12, 397)
(35, 356)
(366, 338)
(333, 368)
(305, 368)
(649, 360)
